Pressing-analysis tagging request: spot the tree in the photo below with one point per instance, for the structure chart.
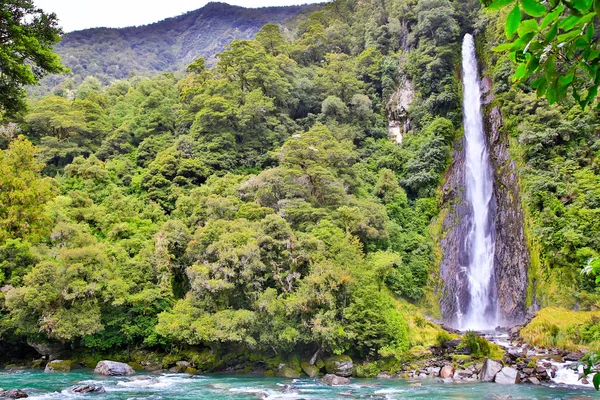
(556, 44)
(27, 38)
(23, 193)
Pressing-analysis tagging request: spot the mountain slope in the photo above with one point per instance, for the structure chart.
(168, 45)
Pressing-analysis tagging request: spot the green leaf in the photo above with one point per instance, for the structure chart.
(596, 381)
(498, 4)
(552, 17)
(567, 37)
(527, 26)
(551, 34)
(582, 5)
(569, 22)
(503, 47)
(520, 72)
(512, 21)
(533, 8)
(589, 33)
(565, 80)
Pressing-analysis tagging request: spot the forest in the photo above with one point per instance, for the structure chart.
(257, 202)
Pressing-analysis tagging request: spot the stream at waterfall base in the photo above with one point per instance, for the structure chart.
(181, 386)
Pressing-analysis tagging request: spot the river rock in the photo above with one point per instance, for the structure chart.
(288, 372)
(339, 365)
(489, 370)
(58, 366)
(447, 372)
(533, 380)
(113, 368)
(13, 394)
(507, 376)
(384, 376)
(575, 356)
(311, 370)
(334, 380)
(88, 389)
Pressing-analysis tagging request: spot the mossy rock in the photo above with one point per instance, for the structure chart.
(269, 373)
(288, 372)
(310, 370)
(191, 370)
(320, 364)
(135, 365)
(38, 364)
(58, 366)
(339, 365)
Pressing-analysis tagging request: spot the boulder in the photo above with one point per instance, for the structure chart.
(334, 380)
(533, 380)
(58, 366)
(452, 344)
(88, 389)
(383, 375)
(575, 356)
(13, 394)
(434, 372)
(447, 372)
(507, 376)
(489, 370)
(113, 368)
(310, 370)
(288, 372)
(339, 365)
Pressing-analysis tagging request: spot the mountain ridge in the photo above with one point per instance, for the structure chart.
(166, 45)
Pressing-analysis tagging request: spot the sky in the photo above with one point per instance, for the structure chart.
(81, 14)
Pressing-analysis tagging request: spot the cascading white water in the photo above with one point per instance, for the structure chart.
(481, 310)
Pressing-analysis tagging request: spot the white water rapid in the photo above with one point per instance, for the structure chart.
(481, 311)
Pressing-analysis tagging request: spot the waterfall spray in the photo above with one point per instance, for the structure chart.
(481, 310)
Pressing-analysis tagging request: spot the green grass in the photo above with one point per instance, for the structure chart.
(562, 328)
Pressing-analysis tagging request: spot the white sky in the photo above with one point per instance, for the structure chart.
(81, 14)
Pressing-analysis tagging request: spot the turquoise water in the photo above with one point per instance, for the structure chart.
(168, 386)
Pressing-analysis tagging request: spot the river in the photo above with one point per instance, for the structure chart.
(170, 386)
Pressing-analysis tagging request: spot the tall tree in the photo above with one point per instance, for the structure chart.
(27, 38)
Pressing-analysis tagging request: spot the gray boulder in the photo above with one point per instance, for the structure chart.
(507, 376)
(310, 370)
(13, 394)
(489, 370)
(88, 389)
(113, 368)
(339, 365)
(334, 380)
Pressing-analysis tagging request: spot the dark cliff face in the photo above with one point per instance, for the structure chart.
(455, 226)
(511, 258)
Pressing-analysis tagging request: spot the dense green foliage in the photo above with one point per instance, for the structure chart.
(557, 43)
(258, 203)
(27, 38)
(557, 149)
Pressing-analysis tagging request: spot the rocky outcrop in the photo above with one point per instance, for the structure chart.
(489, 370)
(334, 380)
(507, 376)
(339, 365)
(113, 368)
(58, 366)
(50, 350)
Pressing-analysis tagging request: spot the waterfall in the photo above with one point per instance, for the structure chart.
(481, 309)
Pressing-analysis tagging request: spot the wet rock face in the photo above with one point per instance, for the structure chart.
(511, 258)
(455, 226)
(489, 370)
